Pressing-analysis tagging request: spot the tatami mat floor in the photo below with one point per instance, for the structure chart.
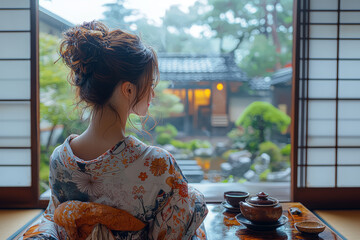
(13, 220)
(346, 222)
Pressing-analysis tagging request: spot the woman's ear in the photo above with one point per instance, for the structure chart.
(128, 89)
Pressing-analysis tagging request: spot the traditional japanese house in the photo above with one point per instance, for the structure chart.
(204, 84)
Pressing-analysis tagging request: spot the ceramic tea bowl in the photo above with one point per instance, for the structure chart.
(310, 227)
(234, 197)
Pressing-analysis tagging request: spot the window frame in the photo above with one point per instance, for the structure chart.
(313, 197)
(28, 197)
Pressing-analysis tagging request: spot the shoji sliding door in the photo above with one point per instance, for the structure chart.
(326, 117)
(18, 103)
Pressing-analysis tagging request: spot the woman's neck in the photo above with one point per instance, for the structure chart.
(107, 126)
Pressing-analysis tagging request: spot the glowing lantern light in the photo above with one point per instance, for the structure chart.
(220, 86)
(207, 92)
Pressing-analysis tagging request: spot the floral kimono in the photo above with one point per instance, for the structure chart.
(143, 180)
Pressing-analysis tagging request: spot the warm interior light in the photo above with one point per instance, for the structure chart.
(207, 92)
(220, 86)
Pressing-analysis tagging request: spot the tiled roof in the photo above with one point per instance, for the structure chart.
(282, 76)
(53, 19)
(260, 84)
(192, 68)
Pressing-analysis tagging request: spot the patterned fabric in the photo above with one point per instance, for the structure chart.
(143, 180)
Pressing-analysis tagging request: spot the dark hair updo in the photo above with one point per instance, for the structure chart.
(100, 59)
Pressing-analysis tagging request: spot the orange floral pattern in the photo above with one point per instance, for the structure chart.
(158, 166)
(143, 176)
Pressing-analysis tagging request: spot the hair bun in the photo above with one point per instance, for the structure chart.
(83, 46)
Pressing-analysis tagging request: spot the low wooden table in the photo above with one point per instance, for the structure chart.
(221, 225)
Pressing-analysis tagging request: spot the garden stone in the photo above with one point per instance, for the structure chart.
(170, 148)
(234, 157)
(281, 176)
(204, 152)
(238, 145)
(225, 169)
(250, 175)
(182, 156)
(261, 163)
(240, 167)
(220, 148)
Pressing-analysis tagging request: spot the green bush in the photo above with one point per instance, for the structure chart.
(178, 144)
(273, 151)
(286, 151)
(165, 133)
(191, 145)
(163, 138)
(259, 121)
(197, 143)
(263, 175)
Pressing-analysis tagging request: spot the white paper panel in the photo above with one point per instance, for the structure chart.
(321, 133)
(322, 69)
(15, 156)
(349, 156)
(349, 69)
(324, 4)
(349, 132)
(349, 4)
(348, 177)
(349, 89)
(303, 67)
(349, 48)
(14, 70)
(15, 176)
(323, 48)
(14, 20)
(14, 45)
(350, 31)
(349, 17)
(15, 80)
(346, 110)
(300, 142)
(14, 122)
(323, 31)
(320, 177)
(301, 156)
(300, 171)
(320, 156)
(15, 141)
(322, 89)
(321, 128)
(14, 3)
(324, 110)
(316, 141)
(323, 17)
(15, 89)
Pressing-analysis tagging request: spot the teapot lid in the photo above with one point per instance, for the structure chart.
(262, 199)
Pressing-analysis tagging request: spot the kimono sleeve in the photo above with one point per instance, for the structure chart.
(184, 211)
(47, 229)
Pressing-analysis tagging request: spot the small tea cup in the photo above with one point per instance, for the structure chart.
(235, 197)
(310, 227)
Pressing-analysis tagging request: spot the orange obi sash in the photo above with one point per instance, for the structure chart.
(80, 218)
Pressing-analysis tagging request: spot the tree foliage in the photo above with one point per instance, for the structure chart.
(117, 15)
(243, 22)
(260, 118)
(56, 105)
